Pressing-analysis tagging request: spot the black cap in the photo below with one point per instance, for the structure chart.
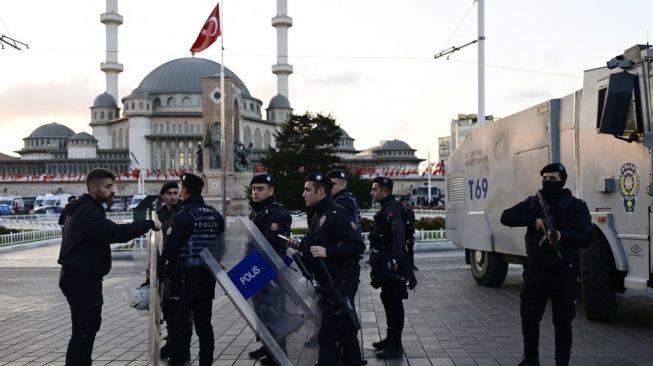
(555, 168)
(319, 177)
(337, 173)
(168, 185)
(264, 178)
(192, 180)
(383, 181)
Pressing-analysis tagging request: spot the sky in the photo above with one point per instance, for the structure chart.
(367, 63)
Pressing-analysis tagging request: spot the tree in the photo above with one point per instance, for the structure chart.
(305, 144)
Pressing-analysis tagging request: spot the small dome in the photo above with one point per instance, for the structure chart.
(105, 100)
(279, 101)
(394, 145)
(344, 134)
(82, 136)
(52, 130)
(140, 93)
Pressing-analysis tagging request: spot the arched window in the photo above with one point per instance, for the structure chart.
(267, 140)
(251, 106)
(133, 105)
(94, 114)
(157, 102)
(171, 101)
(248, 136)
(110, 114)
(257, 139)
(102, 115)
(186, 102)
(140, 105)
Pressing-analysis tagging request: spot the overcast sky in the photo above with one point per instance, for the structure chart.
(368, 63)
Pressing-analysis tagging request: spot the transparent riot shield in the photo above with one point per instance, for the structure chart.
(270, 293)
(154, 318)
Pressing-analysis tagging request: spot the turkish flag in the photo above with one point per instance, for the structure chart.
(209, 33)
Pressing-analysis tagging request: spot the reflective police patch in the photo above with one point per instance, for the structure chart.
(629, 181)
(322, 220)
(274, 226)
(353, 225)
(169, 231)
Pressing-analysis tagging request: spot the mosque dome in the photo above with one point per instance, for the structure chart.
(82, 136)
(52, 130)
(105, 100)
(279, 101)
(344, 134)
(394, 145)
(184, 75)
(140, 93)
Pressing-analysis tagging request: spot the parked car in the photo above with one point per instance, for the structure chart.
(118, 207)
(15, 203)
(47, 210)
(5, 209)
(51, 200)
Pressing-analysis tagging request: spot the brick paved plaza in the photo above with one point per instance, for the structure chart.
(450, 320)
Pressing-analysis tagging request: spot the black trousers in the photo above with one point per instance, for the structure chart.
(392, 295)
(191, 302)
(337, 333)
(83, 290)
(558, 283)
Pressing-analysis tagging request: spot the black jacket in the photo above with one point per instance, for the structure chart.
(182, 228)
(571, 218)
(333, 227)
(347, 200)
(87, 235)
(165, 215)
(272, 219)
(388, 232)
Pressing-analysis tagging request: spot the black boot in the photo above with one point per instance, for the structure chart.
(527, 362)
(391, 351)
(259, 353)
(380, 345)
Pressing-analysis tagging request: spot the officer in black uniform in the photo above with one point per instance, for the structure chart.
(272, 219)
(546, 275)
(409, 229)
(333, 238)
(195, 226)
(342, 196)
(391, 268)
(169, 193)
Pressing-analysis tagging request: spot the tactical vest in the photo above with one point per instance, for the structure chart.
(204, 235)
(350, 197)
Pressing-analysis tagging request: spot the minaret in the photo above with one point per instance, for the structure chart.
(111, 67)
(282, 69)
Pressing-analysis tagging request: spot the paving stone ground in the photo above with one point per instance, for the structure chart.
(449, 319)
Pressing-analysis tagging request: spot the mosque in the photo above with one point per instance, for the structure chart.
(157, 128)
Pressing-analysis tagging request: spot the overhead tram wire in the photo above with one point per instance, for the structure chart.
(459, 25)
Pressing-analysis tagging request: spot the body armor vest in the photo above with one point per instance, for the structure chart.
(204, 235)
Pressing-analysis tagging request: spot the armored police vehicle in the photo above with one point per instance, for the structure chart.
(603, 134)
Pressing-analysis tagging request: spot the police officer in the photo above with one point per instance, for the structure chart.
(333, 238)
(272, 219)
(169, 193)
(550, 273)
(342, 196)
(195, 226)
(390, 268)
(409, 229)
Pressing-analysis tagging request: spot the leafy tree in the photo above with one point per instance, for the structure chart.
(305, 144)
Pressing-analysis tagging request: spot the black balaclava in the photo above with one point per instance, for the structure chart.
(553, 190)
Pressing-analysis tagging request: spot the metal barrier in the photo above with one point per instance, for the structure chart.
(28, 236)
(420, 235)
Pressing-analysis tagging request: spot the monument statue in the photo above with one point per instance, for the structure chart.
(212, 141)
(241, 156)
(199, 154)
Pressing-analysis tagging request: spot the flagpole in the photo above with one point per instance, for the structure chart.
(428, 204)
(223, 124)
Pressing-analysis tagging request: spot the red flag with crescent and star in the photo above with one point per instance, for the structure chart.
(209, 33)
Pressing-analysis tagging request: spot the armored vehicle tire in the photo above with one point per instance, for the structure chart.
(597, 272)
(488, 269)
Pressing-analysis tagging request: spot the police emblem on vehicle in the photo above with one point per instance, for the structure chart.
(629, 186)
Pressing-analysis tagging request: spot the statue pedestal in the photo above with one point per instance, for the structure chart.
(237, 184)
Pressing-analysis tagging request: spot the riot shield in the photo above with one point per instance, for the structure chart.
(270, 293)
(154, 318)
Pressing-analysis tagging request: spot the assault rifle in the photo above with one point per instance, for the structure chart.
(343, 305)
(549, 225)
